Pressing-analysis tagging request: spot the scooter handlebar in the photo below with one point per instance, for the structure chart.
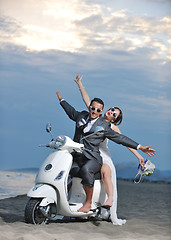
(64, 143)
(51, 145)
(44, 145)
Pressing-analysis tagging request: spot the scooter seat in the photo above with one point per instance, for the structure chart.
(97, 176)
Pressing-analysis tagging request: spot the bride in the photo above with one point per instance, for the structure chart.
(108, 172)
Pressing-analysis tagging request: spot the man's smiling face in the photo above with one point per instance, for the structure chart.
(95, 110)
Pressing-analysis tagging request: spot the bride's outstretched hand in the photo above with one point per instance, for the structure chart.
(148, 150)
(78, 78)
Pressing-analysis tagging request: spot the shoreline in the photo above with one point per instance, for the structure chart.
(15, 183)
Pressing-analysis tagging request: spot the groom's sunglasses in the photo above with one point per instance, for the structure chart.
(114, 112)
(97, 109)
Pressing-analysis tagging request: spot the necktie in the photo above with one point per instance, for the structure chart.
(85, 125)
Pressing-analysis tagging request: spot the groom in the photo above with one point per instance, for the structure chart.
(91, 161)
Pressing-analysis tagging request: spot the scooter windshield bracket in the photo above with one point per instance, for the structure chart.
(60, 175)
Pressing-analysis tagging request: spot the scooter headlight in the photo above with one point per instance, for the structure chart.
(60, 141)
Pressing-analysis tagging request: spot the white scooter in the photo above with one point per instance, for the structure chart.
(50, 197)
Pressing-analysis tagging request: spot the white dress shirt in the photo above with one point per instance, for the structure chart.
(89, 125)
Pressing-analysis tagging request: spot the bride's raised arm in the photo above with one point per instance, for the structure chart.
(84, 94)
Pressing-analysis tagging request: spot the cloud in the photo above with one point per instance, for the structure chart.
(48, 24)
(150, 101)
(128, 33)
(76, 26)
(160, 1)
(9, 28)
(8, 24)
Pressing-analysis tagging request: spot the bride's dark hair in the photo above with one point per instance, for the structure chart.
(118, 120)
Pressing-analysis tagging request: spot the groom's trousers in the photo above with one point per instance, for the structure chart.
(85, 169)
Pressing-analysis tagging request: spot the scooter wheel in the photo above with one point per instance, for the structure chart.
(32, 212)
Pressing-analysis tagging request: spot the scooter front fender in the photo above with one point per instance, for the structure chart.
(43, 191)
(46, 201)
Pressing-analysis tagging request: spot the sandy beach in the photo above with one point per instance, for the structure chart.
(146, 206)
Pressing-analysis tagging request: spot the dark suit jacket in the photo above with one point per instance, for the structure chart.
(92, 143)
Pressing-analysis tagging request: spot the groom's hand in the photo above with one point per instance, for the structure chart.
(148, 150)
(59, 96)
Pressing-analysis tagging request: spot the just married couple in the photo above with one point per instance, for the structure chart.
(96, 156)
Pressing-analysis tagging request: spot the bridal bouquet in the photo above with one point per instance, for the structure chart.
(147, 171)
(148, 168)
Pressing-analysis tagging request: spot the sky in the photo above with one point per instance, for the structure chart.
(123, 50)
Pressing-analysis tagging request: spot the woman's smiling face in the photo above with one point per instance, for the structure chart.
(110, 114)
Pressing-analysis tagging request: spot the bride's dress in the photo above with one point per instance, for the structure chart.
(104, 151)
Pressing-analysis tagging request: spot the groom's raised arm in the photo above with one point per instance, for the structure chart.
(70, 111)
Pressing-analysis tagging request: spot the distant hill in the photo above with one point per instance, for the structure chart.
(25, 170)
(129, 171)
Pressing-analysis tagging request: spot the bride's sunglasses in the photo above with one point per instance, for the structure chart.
(97, 109)
(114, 112)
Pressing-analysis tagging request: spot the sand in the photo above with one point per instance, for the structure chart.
(146, 206)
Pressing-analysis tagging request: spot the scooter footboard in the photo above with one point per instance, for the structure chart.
(78, 193)
(43, 191)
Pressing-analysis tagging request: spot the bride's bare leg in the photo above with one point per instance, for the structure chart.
(106, 178)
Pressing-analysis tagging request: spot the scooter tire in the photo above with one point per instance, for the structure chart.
(33, 214)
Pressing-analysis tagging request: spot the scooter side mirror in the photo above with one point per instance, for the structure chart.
(99, 130)
(48, 128)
